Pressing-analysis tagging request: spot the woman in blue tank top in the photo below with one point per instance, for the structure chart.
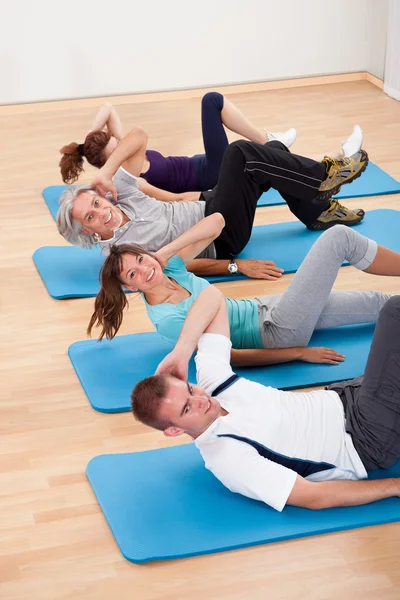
(263, 330)
(170, 178)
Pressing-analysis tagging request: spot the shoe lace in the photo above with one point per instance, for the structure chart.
(336, 206)
(341, 207)
(339, 163)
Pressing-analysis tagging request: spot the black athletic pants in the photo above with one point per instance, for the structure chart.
(248, 169)
(372, 402)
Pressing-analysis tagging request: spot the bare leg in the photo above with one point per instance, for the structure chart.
(235, 120)
(386, 262)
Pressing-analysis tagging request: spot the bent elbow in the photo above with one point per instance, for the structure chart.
(314, 504)
(140, 134)
(220, 223)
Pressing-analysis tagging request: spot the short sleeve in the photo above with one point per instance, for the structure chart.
(242, 470)
(213, 360)
(127, 186)
(175, 266)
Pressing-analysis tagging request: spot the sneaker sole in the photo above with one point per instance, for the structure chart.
(322, 226)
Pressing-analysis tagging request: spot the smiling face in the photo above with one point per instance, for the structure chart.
(96, 215)
(189, 408)
(141, 272)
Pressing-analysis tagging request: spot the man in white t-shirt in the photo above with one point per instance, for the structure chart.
(306, 449)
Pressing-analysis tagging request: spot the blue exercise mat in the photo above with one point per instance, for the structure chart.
(130, 358)
(164, 504)
(374, 182)
(51, 196)
(70, 272)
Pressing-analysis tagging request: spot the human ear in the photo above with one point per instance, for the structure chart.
(131, 288)
(173, 431)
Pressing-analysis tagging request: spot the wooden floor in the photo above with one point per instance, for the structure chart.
(54, 541)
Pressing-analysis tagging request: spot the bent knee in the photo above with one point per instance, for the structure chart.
(337, 232)
(214, 99)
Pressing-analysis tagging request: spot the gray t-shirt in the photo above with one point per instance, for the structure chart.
(153, 223)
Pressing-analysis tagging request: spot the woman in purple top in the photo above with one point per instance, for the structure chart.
(170, 178)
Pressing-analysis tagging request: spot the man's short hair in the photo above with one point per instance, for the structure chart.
(147, 398)
(69, 228)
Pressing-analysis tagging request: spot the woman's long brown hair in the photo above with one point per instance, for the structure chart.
(71, 163)
(111, 300)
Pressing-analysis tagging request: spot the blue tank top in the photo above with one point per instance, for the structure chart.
(168, 318)
(171, 173)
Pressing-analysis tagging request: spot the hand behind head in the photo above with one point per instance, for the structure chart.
(174, 364)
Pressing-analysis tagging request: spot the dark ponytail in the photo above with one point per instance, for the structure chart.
(71, 163)
(111, 300)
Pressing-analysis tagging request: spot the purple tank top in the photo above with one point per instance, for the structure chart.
(171, 173)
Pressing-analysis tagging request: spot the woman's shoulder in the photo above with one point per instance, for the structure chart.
(176, 264)
(154, 154)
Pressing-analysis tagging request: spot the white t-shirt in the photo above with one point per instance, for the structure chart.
(299, 432)
(153, 224)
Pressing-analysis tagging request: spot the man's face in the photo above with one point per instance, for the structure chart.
(96, 215)
(189, 408)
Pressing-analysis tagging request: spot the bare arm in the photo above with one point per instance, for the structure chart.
(108, 117)
(328, 494)
(271, 356)
(129, 154)
(255, 269)
(208, 314)
(194, 240)
(163, 195)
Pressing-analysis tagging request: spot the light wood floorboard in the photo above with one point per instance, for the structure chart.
(54, 541)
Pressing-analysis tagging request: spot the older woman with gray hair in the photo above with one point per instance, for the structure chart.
(86, 217)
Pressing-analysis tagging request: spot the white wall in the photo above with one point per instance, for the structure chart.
(392, 65)
(81, 48)
(377, 29)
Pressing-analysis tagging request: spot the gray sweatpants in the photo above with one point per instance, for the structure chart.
(289, 319)
(372, 402)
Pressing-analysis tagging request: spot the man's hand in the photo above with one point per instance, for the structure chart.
(175, 363)
(259, 269)
(103, 184)
(321, 355)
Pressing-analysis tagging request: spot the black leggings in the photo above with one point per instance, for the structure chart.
(248, 169)
(215, 142)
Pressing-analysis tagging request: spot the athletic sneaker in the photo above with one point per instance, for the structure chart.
(336, 214)
(286, 137)
(342, 171)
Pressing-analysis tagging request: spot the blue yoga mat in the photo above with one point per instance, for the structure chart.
(164, 504)
(374, 182)
(70, 272)
(51, 196)
(130, 358)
